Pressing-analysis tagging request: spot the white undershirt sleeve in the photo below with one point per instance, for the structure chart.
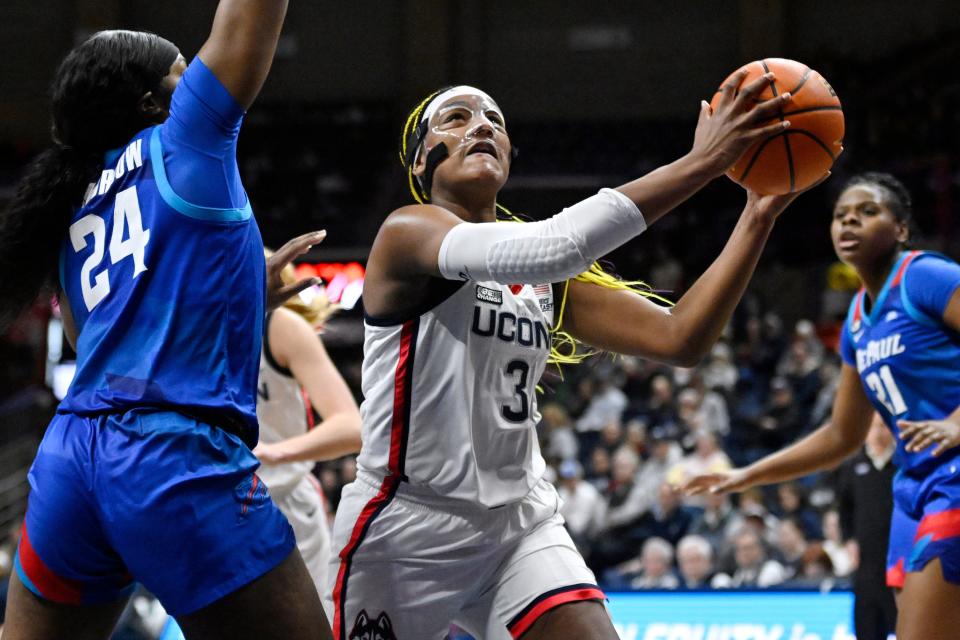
(551, 250)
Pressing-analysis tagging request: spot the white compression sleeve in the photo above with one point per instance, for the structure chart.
(551, 250)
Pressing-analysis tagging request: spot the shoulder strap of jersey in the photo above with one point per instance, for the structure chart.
(855, 314)
(903, 267)
(915, 313)
(268, 353)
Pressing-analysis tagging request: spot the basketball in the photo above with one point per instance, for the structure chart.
(798, 157)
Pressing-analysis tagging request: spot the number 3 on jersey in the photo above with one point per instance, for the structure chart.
(521, 411)
(126, 213)
(885, 388)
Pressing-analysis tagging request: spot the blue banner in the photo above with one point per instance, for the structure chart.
(732, 615)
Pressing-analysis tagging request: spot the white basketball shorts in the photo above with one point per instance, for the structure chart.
(410, 563)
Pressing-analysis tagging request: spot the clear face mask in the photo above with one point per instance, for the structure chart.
(450, 110)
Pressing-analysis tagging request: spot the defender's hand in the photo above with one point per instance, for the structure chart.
(920, 435)
(720, 482)
(277, 292)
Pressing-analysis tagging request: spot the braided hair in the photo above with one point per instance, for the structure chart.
(96, 95)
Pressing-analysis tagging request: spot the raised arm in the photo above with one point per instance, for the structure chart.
(624, 322)
(825, 448)
(241, 45)
(428, 240)
(294, 345)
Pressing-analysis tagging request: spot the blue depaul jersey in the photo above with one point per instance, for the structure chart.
(164, 271)
(908, 359)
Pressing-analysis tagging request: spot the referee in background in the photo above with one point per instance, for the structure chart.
(866, 502)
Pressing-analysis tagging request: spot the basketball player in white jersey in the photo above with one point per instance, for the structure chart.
(449, 519)
(295, 373)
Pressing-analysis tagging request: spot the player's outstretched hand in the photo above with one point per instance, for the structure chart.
(920, 435)
(769, 207)
(719, 482)
(739, 120)
(268, 453)
(277, 292)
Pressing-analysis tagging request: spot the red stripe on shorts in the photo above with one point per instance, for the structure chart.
(50, 585)
(945, 524)
(551, 600)
(376, 504)
(896, 575)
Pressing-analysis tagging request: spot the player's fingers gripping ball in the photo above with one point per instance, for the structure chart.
(795, 158)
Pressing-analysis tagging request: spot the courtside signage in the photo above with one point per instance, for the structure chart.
(732, 615)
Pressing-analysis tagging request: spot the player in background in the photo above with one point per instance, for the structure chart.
(145, 473)
(297, 376)
(900, 350)
(450, 519)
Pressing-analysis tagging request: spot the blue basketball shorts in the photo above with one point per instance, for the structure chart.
(148, 496)
(925, 524)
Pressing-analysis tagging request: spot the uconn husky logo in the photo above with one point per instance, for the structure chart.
(366, 629)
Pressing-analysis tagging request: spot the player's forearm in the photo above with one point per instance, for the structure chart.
(665, 188)
(337, 436)
(704, 310)
(242, 43)
(825, 448)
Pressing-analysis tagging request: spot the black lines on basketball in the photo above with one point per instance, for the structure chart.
(803, 81)
(793, 174)
(814, 113)
(756, 154)
(810, 109)
(820, 143)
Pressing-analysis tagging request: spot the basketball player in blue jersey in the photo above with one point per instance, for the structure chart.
(146, 474)
(901, 358)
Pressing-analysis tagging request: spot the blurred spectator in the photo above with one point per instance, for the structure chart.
(707, 457)
(659, 410)
(583, 507)
(710, 407)
(667, 518)
(834, 546)
(599, 469)
(816, 568)
(719, 372)
(611, 436)
(561, 441)
(605, 404)
(791, 545)
(656, 562)
(626, 500)
(717, 522)
(664, 454)
(792, 503)
(754, 568)
(652, 569)
(695, 562)
(779, 423)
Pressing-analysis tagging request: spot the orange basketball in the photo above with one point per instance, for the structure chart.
(797, 157)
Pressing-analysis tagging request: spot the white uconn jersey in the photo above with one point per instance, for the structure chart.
(450, 400)
(283, 413)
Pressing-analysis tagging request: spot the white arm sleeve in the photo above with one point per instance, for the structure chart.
(551, 250)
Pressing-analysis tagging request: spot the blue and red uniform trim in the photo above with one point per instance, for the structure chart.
(41, 579)
(543, 603)
(399, 433)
